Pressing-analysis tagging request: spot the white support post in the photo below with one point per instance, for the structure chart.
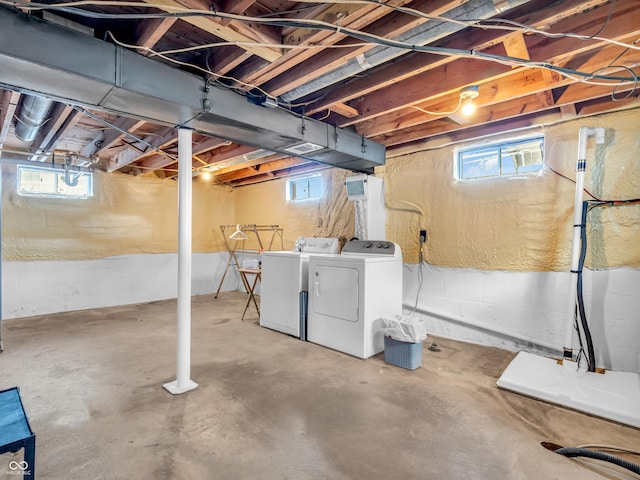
(183, 382)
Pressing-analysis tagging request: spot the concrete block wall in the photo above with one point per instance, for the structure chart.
(43, 287)
(529, 310)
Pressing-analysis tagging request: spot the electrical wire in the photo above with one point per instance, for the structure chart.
(254, 44)
(439, 113)
(69, 7)
(490, 23)
(591, 357)
(420, 278)
(580, 312)
(571, 180)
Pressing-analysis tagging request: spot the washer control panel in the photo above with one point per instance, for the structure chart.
(373, 247)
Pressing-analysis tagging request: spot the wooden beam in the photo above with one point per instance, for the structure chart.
(299, 169)
(518, 83)
(417, 63)
(515, 46)
(568, 110)
(225, 32)
(353, 16)
(149, 32)
(323, 62)
(61, 120)
(510, 109)
(383, 105)
(209, 143)
(113, 136)
(344, 110)
(251, 163)
(227, 152)
(160, 139)
(261, 169)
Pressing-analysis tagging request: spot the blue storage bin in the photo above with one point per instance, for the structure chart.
(403, 354)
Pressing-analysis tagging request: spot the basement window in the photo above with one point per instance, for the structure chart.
(507, 158)
(307, 188)
(50, 182)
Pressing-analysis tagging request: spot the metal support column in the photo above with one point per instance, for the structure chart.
(183, 382)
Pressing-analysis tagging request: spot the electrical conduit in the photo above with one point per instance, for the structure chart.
(581, 165)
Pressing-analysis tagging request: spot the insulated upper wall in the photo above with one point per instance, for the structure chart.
(523, 223)
(330, 216)
(126, 215)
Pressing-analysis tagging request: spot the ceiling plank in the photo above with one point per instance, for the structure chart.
(297, 170)
(607, 105)
(149, 32)
(513, 108)
(159, 140)
(115, 135)
(415, 63)
(389, 26)
(228, 168)
(61, 119)
(344, 110)
(209, 143)
(446, 80)
(355, 16)
(457, 75)
(515, 46)
(225, 32)
(261, 169)
(225, 152)
(518, 83)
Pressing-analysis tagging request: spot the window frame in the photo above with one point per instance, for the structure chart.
(59, 177)
(500, 145)
(292, 182)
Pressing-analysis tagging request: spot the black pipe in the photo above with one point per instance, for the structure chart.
(583, 316)
(607, 457)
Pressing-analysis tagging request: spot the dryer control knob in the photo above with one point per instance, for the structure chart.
(368, 245)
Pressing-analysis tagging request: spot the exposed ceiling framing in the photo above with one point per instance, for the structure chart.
(348, 65)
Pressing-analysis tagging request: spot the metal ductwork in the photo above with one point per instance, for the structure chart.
(49, 60)
(31, 117)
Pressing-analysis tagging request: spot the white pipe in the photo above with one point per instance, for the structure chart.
(483, 326)
(183, 382)
(576, 244)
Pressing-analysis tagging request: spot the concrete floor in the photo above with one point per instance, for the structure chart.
(272, 407)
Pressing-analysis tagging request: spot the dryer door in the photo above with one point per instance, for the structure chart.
(335, 291)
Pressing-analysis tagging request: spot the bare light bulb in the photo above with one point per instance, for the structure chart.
(467, 95)
(468, 108)
(206, 175)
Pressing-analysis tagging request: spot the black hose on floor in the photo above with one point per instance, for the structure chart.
(607, 457)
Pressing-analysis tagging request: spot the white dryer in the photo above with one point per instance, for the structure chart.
(350, 292)
(284, 285)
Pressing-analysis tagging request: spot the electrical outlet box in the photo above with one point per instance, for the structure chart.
(423, 236)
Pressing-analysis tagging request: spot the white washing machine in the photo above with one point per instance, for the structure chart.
(350, 292)
(284, 279)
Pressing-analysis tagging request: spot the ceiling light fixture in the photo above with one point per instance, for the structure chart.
(206, 175)
(467, 95)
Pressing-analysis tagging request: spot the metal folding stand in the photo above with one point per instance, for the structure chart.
(250, 287)
(242, 233)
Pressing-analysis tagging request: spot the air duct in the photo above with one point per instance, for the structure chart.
(31, 117)
(51, 61)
